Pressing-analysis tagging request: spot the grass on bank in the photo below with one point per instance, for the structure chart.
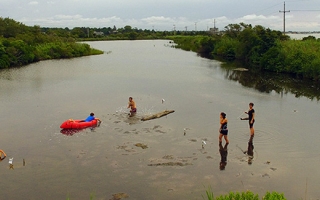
(248, 195)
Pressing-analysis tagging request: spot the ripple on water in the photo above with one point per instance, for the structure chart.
(271, 138)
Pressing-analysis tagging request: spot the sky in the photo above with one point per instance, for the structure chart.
(161, 15)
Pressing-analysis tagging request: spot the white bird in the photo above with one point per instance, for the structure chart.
(162, 100)
(203, 143)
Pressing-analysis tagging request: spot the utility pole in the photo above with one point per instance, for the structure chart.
(186, 28)
(195, 26)
(284, 17)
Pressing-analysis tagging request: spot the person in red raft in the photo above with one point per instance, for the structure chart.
(90, 118)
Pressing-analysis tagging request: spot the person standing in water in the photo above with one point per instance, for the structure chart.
(132, 106)
(251, 118)
(223, 128)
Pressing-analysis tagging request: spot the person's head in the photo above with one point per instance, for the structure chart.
(222, 165)
(251, 105)
(223, 115)
(130, 98)
(91, 114)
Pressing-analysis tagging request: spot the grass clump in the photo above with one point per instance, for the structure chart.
(248, 195)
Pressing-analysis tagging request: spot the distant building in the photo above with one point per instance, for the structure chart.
(95, 33)
(214, 30)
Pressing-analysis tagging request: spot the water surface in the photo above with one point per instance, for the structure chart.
(37, 98)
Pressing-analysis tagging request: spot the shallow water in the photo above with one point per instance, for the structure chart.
(37, 98)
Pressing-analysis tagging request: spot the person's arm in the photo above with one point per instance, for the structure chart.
(246, 118)
(221, 120)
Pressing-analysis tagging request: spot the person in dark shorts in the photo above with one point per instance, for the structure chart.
(251, 118)
(223, 128)
(132, 106)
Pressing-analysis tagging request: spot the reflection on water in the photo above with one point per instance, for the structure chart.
(223, 150)
(250, 150)
(268, 82)
(70, 131)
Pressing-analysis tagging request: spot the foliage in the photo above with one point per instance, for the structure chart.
(226, 48)
(188, 43)
(209, 194)
(259, 48)
(302, 57)
(21, 45)
(248, 195)
(273, 196)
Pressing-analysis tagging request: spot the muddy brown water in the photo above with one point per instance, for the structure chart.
(175, 163)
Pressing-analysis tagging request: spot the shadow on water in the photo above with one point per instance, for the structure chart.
(268, 82)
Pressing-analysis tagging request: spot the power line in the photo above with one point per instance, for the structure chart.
(306, 10)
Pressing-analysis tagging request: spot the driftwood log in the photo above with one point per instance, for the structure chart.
(157, 115)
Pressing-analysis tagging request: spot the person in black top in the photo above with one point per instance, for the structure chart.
(223, 128)
(251, 118)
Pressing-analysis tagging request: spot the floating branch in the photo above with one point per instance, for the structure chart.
(157, 115)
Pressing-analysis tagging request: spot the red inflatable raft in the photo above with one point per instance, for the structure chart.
(78, 124)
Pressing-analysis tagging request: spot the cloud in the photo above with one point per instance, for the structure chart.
(50, 2)
(72, 21)
(162, 15)
(33, 3)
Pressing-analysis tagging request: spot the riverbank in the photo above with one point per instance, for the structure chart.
(260, 49)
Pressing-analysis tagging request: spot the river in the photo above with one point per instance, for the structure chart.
(182, 158)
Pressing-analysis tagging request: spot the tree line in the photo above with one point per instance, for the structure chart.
(260, 48)
(21, 45)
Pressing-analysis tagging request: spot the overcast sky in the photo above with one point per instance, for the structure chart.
(188, 15)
